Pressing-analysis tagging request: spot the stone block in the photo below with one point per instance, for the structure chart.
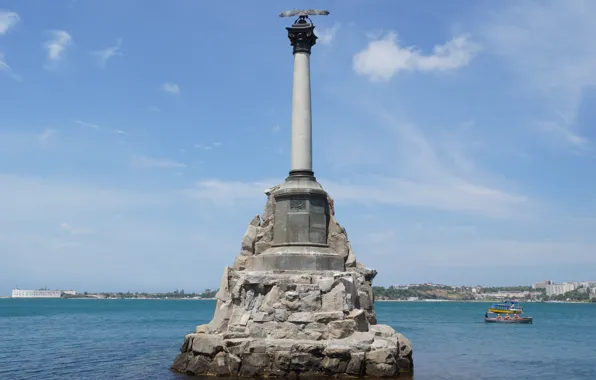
(181, 362)
(356, 364)
(219, 365)
(207, 344)
(243, 262)
(325, 283)
(333, 366)
(254, 364)
(382, 330)
(248, 240)
(381, 370)
(338, 350)
(359, 317)
(341, 329)
(237, 346)
(382, 356)
(328, 316)
(334, 300)
(301, 317)
(304, 362)
(281, 315)
(198, 364)
(310, 301)
(309, 347)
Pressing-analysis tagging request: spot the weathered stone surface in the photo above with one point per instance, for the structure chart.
(382, 356)
(243, 262)
(325, 283)
(338, 350)
(310, 301)
(181, 362)
(335, 299)
(381, 370)
(328, 316)
(356, 364)
(337, 238)
(334, 365)
(294, 323)
(198, 364)
(248, 240)
(382, 330)
(359, 318)
(219, 365)
(341, 329)
(302, 317)
(254, 364)
(207, 344)
(351, 258)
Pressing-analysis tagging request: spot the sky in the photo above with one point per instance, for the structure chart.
(137, 138)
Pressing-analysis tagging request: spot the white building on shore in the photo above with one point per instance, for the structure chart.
(22, 293)
(558, 289)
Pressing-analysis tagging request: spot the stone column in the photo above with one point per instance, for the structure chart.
(302, 38)
(301, 215)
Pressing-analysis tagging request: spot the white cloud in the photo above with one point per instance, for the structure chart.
(171, 88)
(384, 58)
(121, 132)
(155, 109)
(549, 45)
(276, 128)
(149, 162)
(3, 65)
(208, 146)
(86, 124)
(47, 134)
(104, 55)
(69, 228)
(57, 44)
(327, 35)
(7, 21)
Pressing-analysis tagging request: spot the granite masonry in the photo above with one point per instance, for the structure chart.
(294, 322)
(296, 301)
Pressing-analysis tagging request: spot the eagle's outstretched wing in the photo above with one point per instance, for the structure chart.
(316, 12)
(289, 13)
(307, 12)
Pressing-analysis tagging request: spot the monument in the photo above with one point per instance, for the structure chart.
(296, 301)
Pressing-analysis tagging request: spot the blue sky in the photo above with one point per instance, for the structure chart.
(136, 138)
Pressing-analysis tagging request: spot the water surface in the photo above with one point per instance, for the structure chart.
(138, 339)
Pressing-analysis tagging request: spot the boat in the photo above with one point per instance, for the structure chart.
(507, 307)
(507, 319)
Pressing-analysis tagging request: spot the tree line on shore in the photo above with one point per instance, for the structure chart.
(422, 292)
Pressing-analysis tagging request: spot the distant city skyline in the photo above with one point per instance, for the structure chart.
(135, 146)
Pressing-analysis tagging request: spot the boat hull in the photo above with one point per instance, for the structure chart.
(525, 320)
(499, 311)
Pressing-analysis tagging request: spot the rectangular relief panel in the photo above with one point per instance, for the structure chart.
(279, 226)
(298, 227)
(318, 206)
(318, 228)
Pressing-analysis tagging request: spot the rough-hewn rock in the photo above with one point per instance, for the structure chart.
(299, 323)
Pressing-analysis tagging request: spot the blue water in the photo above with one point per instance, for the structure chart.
(138, 339)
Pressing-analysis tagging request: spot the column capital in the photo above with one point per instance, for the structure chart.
(302, 36)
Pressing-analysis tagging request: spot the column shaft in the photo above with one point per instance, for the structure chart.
(301, 114)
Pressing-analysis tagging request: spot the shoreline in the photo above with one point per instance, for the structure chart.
(482, 301)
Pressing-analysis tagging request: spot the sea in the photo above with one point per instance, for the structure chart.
(138, 339)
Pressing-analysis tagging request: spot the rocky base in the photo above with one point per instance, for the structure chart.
(288, 323)
(295, 324)
(380, 352)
